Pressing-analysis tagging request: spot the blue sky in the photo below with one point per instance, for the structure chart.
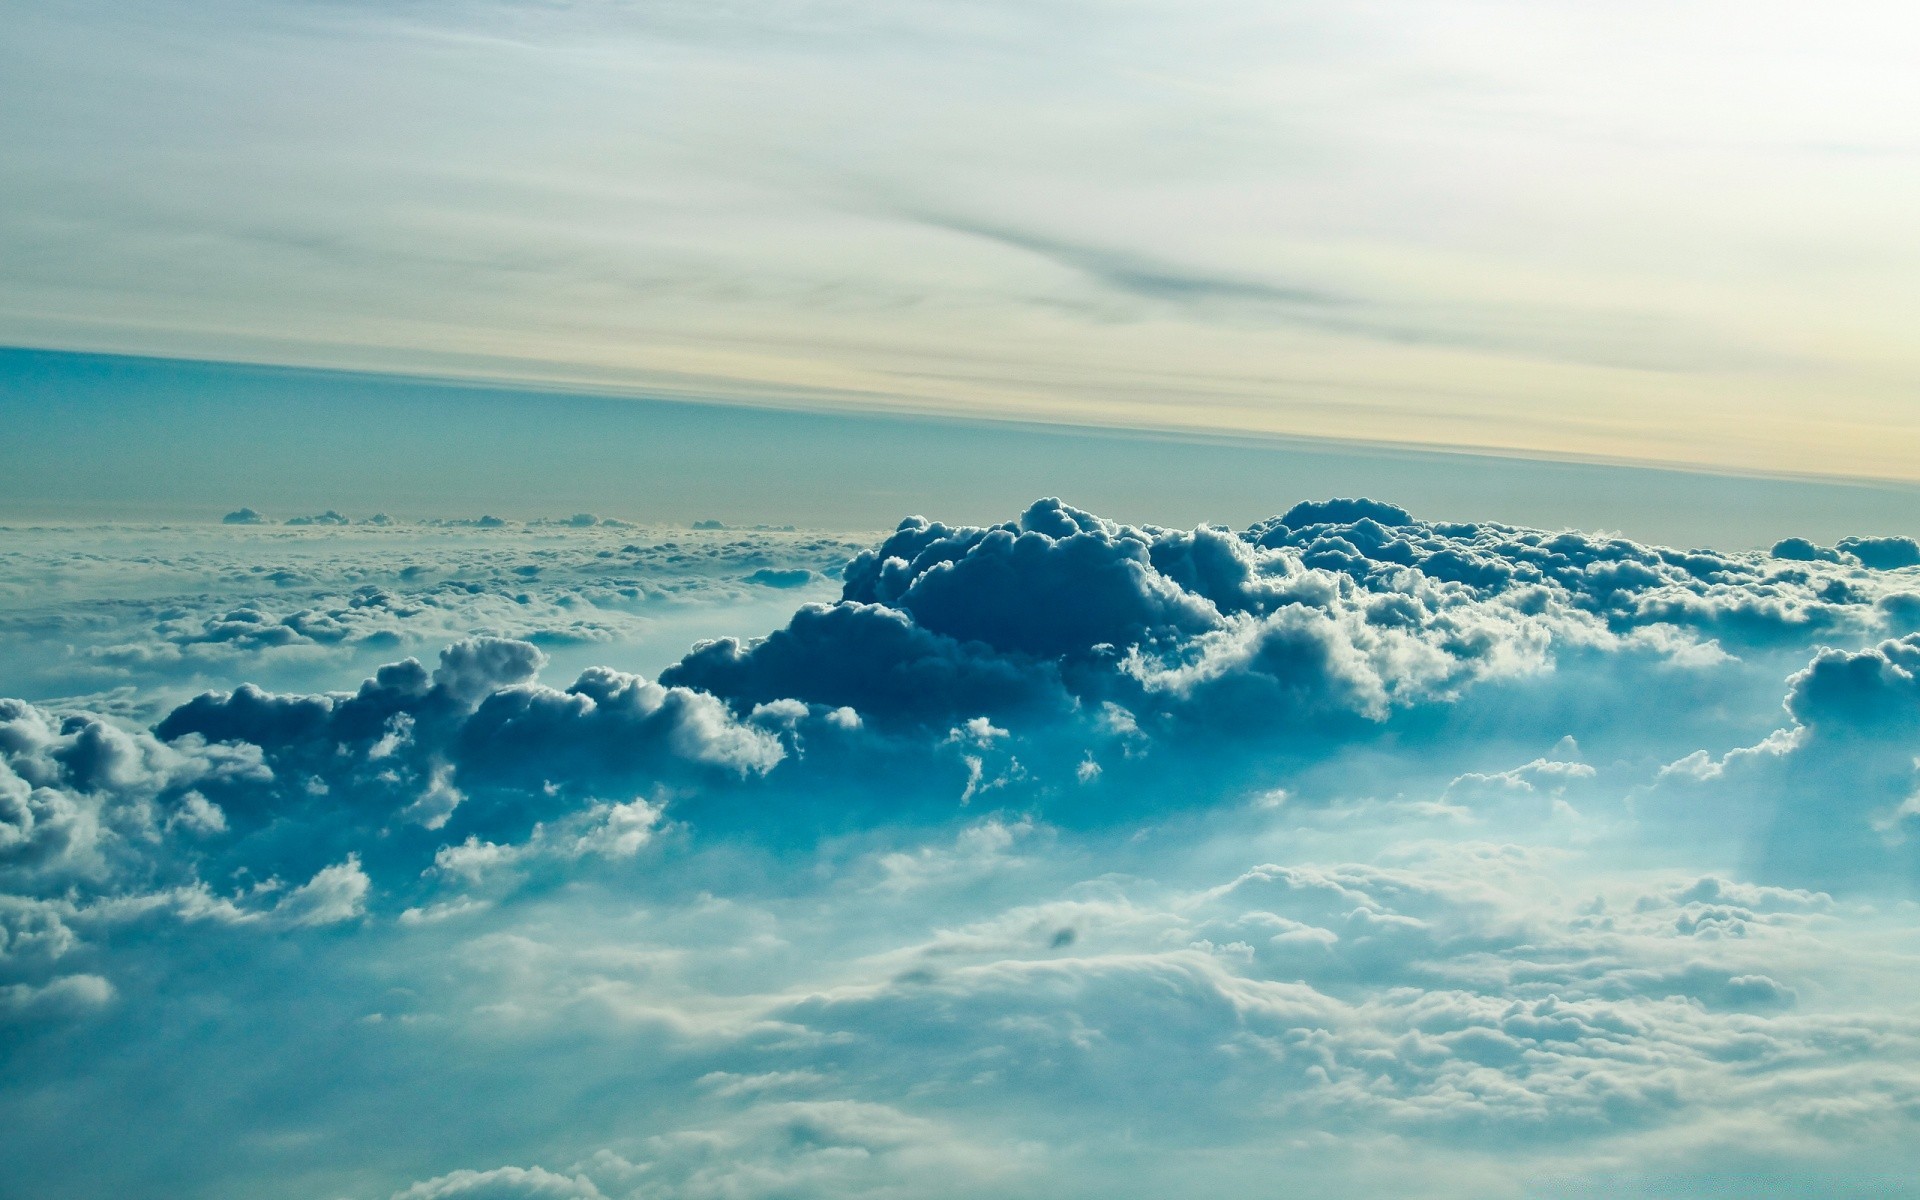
(816, 599)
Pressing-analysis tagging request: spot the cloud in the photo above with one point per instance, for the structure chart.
(1882, 553)
(477, 735)
(1091, 644)
(80, 797)
(812, 1148)
(299, 609)
(1228, 298)
(472, 670)
(1135, 276)
(63, 996)
(612, 831)
(1799, 549)
(337, 893)
(1842, 691)
(769, 577)
(502, 1183)
(1827, 799)
(1344, 998)
(1344, 610)
(1062, 855)
(867, 657)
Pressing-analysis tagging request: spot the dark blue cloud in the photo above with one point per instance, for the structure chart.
(1845, 692)
(875, 659)
(1343, 512)
(1799, 549)
(1882, 553)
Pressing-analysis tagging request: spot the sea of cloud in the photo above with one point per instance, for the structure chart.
(1347, 854)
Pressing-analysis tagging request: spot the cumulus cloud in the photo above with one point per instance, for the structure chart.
(1799, 549)
(1336, 616)
(337, 893)
(81, 797)
(873, 659)
(1828, 798)
(1093, 645)
(1882, 553)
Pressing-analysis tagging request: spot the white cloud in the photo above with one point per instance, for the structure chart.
(335, 894)
(502, 1183)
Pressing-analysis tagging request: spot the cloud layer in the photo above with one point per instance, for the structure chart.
(1058, 857)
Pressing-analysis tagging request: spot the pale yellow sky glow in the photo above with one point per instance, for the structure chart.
(1679, 232)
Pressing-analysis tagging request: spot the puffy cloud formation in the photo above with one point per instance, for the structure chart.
(1879, 553)
(1341, 610)
(1799, 549)
(1849, 692)
(79, 794)
(1060, 657)
(1883, 553)
(1058, 857)
(869, 658)
(412, 746)
(1835, 793)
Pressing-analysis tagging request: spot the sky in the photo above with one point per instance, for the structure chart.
(824, 600)
(1667, 232)
(104, 437)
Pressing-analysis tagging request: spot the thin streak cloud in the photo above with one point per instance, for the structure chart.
(1618, 339)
